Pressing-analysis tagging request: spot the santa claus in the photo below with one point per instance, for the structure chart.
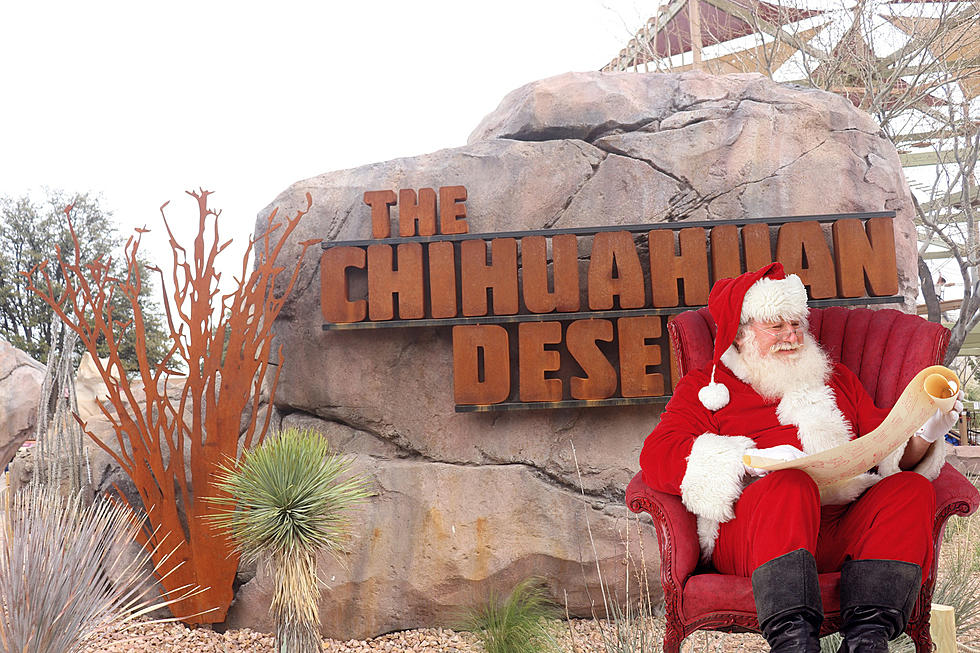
(771, 391)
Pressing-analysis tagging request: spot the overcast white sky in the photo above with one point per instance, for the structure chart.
(140, 101)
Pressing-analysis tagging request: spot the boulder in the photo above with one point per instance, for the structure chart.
(437, 538)
(90, 388)
(20, 387)
(476, 501)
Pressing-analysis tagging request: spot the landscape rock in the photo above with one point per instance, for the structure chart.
(729, 147)
(437, 539)
(577, 150)
(20, 387)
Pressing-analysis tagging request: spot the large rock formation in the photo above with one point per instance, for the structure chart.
(472, 501)
(20, 386)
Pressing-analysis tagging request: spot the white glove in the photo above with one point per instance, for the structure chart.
(939, 424)
(782, 453)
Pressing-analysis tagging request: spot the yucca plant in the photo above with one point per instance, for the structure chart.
(518, 624)
(286, 501)
(68, 571)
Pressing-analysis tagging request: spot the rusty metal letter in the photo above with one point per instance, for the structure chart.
(477, 276)
(636, 355)
(865, 255)
(600, 379)
(481, 364)
(335, 301)
(380, 202)
(442, 279)
(452, 211)
(757, 246)
(690, 267)
(385, 281)
(416, 217)
(614, 270)
(725, 260)
(534, 360)
(802, 249)
(534, 265)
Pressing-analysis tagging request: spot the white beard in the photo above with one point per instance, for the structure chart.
(774, 376)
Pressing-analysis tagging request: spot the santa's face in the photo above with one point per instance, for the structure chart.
(775, 358)
(780, 340)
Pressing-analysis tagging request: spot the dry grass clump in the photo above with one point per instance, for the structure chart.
(67, 571)
(519, 624)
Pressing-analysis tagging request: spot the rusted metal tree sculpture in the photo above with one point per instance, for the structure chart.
(225, 349)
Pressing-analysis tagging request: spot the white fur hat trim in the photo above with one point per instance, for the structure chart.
(769, 300)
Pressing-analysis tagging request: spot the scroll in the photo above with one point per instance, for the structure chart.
(931, 389)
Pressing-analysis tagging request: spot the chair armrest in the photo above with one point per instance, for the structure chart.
(955, 494)
(677, 531)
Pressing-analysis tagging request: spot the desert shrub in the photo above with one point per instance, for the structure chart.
(519, 624)
(68, 571)
(286, 501)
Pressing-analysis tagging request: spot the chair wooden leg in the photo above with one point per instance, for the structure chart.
(673, 637)
(918, 630)
(942, 628)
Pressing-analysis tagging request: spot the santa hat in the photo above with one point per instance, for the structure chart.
(767, 295)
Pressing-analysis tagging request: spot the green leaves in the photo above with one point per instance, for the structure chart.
(289, 495)
(32, 233)
(286, 501)
(517, 625)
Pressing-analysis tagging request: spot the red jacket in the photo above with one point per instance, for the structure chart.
(697, 453)
(666, 450)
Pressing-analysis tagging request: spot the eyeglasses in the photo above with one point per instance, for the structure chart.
(782, 329)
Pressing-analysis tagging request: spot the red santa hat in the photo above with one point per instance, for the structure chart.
(767, 295)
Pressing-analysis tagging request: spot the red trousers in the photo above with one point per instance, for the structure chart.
(781, 512)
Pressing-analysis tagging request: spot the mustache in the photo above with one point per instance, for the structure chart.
(786, 346)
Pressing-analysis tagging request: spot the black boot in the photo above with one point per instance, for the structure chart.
(876, 600)
(787, 600)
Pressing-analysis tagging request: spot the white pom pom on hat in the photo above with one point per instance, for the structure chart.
(714, 396)
(766, 294)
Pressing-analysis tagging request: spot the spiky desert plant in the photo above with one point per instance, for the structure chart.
(287, 500)
(517, 625)
(69, 570)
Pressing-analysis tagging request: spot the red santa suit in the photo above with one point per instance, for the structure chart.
(697, 454)
(716, 415)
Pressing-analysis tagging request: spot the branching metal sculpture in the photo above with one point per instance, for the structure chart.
(225, 349)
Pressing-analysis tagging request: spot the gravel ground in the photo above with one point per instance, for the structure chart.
(579, 636)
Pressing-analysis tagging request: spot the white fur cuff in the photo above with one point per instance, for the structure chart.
(715, 475)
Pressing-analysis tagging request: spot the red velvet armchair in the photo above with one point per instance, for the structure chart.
(885, 348)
